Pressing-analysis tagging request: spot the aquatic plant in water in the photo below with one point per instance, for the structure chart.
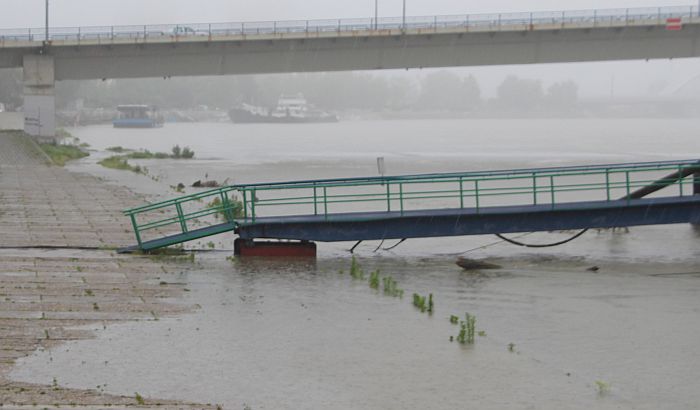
(231, 208)
(467, 329)
(374, 279)
(603, 387)
(139, 399)
(454, 319)
(391, 287)
(419, 302)
(355, 270)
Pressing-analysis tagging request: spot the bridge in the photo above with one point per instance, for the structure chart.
(427, 205)
(338, 44)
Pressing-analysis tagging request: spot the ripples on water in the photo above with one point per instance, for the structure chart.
(300, 335)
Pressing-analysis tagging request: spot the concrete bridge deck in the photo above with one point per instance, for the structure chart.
(335, 45)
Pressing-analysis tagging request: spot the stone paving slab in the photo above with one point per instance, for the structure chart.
(45, 295)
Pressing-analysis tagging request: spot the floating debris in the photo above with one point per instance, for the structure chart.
(474, 264)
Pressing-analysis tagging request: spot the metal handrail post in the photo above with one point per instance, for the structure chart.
(136, 229)
(607, 184)
(181, 217)
(315, 201)
(245, 204)
(226, 203)
(388, 197)
(252, 204)
(534, 189)
(551, 189)
(627, 185)
(461, 192)
(680, 180)
(476, 194)
(325, 203)
(401, 197)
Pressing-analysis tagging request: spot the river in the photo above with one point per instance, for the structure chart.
(281, 334)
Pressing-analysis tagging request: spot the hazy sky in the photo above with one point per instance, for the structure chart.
(595, 79)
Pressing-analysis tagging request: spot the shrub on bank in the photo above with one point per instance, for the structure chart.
(119, 162)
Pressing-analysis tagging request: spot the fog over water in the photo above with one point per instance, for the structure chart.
(300, 334)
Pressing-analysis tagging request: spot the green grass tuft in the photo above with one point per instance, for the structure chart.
(60, 154)
(119, 162)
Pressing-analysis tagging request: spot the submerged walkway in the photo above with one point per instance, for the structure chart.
(46, 294)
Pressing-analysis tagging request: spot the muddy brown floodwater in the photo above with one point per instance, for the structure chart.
(295, 334)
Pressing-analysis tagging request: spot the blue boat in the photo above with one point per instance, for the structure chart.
(138, 116)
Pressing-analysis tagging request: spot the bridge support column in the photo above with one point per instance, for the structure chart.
(696, 191)
(39, 96)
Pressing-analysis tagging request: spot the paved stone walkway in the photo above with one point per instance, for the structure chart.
(49, 206)
(46, 294)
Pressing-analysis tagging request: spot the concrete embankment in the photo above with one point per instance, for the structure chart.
(11, 121)
(46, 293)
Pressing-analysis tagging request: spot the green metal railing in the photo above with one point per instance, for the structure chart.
(330, 198)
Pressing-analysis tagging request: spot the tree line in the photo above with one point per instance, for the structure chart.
(436, 91)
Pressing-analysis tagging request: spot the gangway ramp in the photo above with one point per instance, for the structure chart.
(430, 205)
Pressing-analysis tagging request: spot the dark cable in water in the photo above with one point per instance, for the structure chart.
(379, 246)
(546, 245)
(397, 244)
(352, 250)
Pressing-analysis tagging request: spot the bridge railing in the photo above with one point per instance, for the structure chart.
(356, 197)
(545, 186)
(483, 21)
(184, 214)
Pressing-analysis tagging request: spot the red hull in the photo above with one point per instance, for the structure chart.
(274, 249)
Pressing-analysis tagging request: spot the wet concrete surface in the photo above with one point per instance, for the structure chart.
(48, 296)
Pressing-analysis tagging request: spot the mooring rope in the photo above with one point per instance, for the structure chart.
(545, 245)
(394, 246)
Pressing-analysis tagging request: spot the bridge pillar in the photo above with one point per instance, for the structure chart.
(39, 97)
(696, 191)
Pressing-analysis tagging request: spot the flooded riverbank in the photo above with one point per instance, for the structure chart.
(292, 334)
(287, 334)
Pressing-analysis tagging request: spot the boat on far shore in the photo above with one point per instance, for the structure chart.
(138, 116)
(289, 109)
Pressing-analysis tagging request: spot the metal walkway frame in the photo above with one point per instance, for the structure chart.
(430, 205)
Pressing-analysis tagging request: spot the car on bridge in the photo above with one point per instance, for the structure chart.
(181, 31)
